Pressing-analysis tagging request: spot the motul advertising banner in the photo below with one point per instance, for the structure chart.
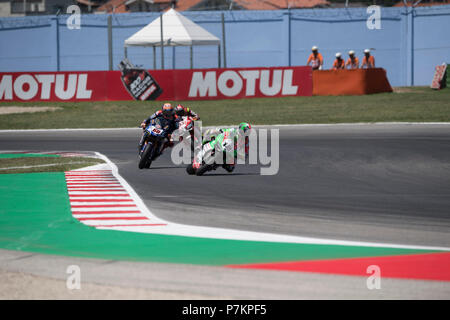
(132, 83)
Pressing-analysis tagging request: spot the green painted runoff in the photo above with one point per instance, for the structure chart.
(35, 216)
(27, 155)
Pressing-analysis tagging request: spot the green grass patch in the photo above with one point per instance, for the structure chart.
(29, 164)
(416, 104)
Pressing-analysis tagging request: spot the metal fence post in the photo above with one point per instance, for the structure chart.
(224, 42)
(110, 48)
(173, 57)
(287, 38)
(55, 25)
(162, 43)
(412, 45)
(218, 56)
(191, 53)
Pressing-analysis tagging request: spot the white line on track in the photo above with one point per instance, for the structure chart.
(107, 215)
(126, 210)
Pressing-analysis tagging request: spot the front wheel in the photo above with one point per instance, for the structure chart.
(145, 161)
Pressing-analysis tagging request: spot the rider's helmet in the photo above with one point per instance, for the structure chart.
(179, 110)
(245, 127)
(167, 110)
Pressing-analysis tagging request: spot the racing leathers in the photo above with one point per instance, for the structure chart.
(158, 113)
(182, 111)
(173, 123)
(225, 141)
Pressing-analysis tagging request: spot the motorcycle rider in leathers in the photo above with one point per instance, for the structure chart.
(216, 138)
(167, 112)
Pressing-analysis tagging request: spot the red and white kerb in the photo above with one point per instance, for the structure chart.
(99, 200)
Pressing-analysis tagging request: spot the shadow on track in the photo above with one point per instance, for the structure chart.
(230, 174)
(172, 167)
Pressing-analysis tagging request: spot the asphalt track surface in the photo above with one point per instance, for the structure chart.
(383, 183)
(386, 183)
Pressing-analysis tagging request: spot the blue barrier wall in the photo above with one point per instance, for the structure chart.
(410, 43)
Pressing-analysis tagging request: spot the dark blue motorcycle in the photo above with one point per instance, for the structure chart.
(155, 136)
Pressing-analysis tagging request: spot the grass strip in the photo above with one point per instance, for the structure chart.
(45, 164)
(415, 104)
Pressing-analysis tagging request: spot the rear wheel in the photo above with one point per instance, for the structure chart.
(204, 168)
(228, 167)
(190, 169)
(145, 161)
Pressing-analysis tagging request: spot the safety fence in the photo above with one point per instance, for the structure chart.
(407, 42)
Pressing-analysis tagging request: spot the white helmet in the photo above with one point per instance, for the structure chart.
(366, 51)
(338, 55)
(314, 48)
(351, 52)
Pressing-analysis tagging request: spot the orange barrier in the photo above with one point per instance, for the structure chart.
(350, 82)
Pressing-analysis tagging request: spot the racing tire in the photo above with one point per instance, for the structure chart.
(190, 169)
(204, 168)
(148, 164)
(228, 168)
(145, 161)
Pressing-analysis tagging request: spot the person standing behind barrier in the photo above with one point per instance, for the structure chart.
(353, 61)
(316, 59)
(368, 60)
(339, 63)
